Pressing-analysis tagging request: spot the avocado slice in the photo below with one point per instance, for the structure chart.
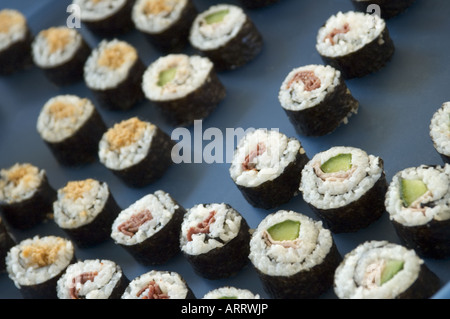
(217, 16)
(338, 163)
(228, 297)
(286, 230)
(166, 76)
(390, 270)
(411, 189)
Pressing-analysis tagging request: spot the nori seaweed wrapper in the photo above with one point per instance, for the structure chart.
(255, 4)
(99, 229)
(389, 8)
(197, 105)
(120, 287)
(226, 261)
(126, 94)
(358, 214)
(307, 284)
(153, 166)
(369, 59)
(82, 147)
(32, 211)
(431, 240)
(278, 191)
(17, 56)
(161, 246)
(6, 243)
(238, 51)
(327, 116)
(425, 286)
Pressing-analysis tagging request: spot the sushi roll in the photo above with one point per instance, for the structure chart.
(345, 187)
(106, 18)
(294, 256)
(440, 131)
(149, 229)
(36, 264)
(71, 127)
(15, 42)
(266, 167)
(383, 270)
(227, 36)
(228, 292)
(136, 151)
(113, 72)
(7, 241)
(418, 203)
(256, 4)
(184, 88)
(215, 240)
(26, 196)
(316, 99)
(355, 43)
(92, 279)
(85, 211)
(158, 285)
(389, 8)
(61, 53)
(165, 23)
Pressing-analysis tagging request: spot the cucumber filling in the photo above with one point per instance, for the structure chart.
(217, 16)
(338, 163)
(411, 190)
(166, 76)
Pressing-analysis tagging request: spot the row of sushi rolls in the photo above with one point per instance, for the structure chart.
(294, 255)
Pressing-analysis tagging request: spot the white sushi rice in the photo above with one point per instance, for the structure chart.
(225, 227)
(170, 283)
(108, 274)
(437, 180)
(62, 116)
(130, 152)
(191, 73)
(308, 250)
(38, 259)
(206, 36)
(55, 46)
(351, 277)
(294, 96)
(155, 16)
(19, 182)
(94, 10)
(279, 152)
(79, 203)
(440, 129)
(161, 206)
(329, 193)
(13, 28)
(109, 64)
(363, 29)
(228, 292)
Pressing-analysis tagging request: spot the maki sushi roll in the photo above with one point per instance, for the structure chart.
(15, 42)
(106, 18)
(256, 4)
(389, 8)
(92, 279)
(418, 203)
(158, 285)
(136, 151)
(71, 127)
(345, 187)
(266, 167)
(228, 292)
(113, 72)
(85, 211)
(7, 241)
(184, 88)
(61, 53)
(294, 256)
(36, 264)
(165, 23)
(26, 197)
(383, 270)
(316, 99)
(440, 131)
(149, 229)
(227, 36)
(215, 240)
(355, 43)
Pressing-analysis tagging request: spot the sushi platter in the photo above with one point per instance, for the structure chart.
(382, 102)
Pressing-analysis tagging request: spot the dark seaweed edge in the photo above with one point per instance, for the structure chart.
(425, 286)
(256, 4)
(7, 241)
(17, 56)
